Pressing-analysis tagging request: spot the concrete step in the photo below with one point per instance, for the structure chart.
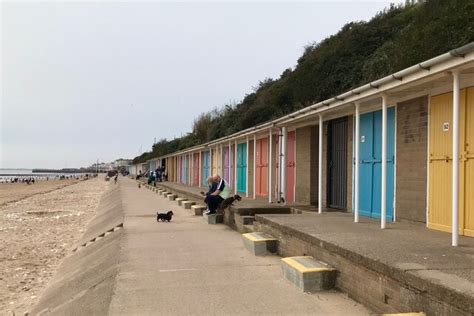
(187, 204)
(198, 209)
(248, 229)
(248, 219)
(171, 196)
(213, 219)
(260, 244)
(180, 200)
(308, 274)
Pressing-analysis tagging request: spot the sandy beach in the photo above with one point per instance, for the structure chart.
(10, 192)
(38, 226)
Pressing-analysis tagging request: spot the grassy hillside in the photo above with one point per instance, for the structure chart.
(360, 52)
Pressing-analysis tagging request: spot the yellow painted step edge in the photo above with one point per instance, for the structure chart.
(301, 268)
(250, 236)
(406, 314)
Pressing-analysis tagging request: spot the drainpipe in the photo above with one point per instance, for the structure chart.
(320, 165)
(254, 166)
(270, 165)
(283, 165)
(357, 162)
(247, 177)
(455, 193)
(383, 219)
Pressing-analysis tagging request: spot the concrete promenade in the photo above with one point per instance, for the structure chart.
(405, 267)
(189, 267)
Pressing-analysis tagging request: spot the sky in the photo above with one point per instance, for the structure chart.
(81, 81)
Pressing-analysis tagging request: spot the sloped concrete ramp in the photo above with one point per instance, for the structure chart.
(84, 283)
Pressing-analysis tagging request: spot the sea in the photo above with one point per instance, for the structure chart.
(15, 172)
(6, 175)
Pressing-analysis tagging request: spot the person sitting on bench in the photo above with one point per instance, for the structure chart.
(221, 193)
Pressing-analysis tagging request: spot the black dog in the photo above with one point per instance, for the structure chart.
(229, 201)
(164, 216)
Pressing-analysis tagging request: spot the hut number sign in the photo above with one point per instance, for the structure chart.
(445, 127)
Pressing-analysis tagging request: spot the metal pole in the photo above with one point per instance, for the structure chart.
(320, 166)
(383, 219)
(455, 184)
(270, 165)
(247, 170)
(357, 162)
(254, 166)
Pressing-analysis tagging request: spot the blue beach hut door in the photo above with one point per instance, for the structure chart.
(205, 168)
(242, 167)
(370, 178)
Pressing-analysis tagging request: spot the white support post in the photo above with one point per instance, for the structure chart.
(221, 155)
(254, 166)
(320, 166)
(199, 170)
(178, 160)
(270, 165)
(229, 157)
(280, 143)
(247, 177)
(383, 203)
(210, 162)
(235, 167)
(357, 162)
(283, 164)
(455, 180)
(190, 170)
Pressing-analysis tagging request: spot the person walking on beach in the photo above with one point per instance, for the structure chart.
(221, 193)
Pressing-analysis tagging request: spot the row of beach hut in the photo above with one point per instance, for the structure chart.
(383, 150)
